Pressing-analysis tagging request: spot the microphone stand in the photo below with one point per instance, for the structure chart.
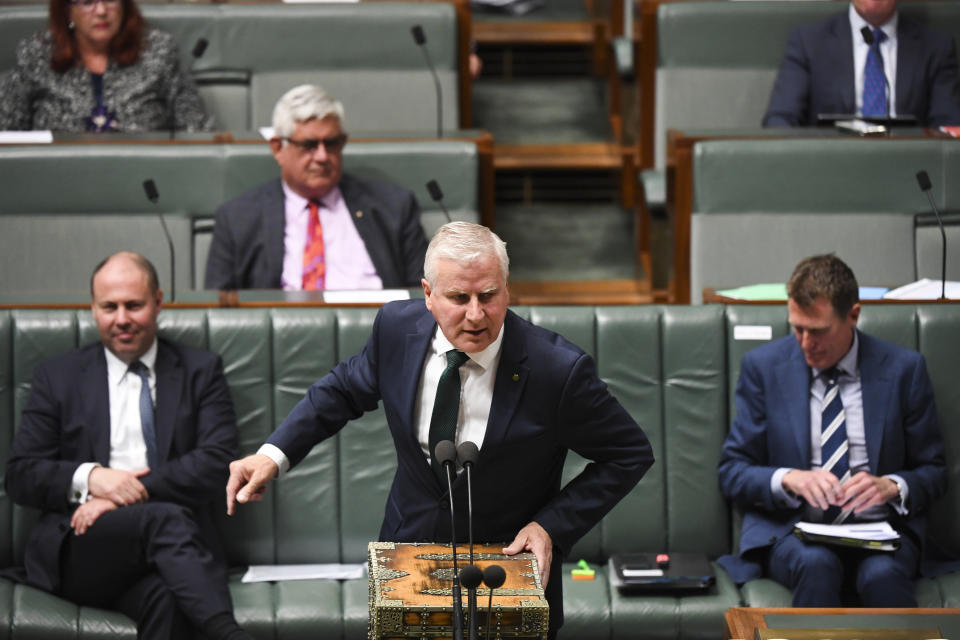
(457, 597)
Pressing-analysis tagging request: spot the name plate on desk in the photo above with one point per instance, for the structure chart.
(411, 592)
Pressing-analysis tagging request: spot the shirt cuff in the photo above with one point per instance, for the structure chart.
(278, 456)
(780, 495)
(899, 503)
(79, 486)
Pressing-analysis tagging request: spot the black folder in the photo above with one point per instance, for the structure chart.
(641, 573)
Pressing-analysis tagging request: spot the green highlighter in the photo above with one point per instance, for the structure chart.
(583, 571)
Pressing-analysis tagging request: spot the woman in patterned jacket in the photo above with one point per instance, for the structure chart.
(99, 68)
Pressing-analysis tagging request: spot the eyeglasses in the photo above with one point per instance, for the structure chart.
(330, 145)
(89, 5)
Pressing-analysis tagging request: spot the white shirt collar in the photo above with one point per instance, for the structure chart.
(117, 368)
(484, 359)
(857, 23)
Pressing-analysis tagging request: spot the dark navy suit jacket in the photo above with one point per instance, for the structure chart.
(67, 422)
(547, 399)
(247, 247)
(772, 430)
(816, 75)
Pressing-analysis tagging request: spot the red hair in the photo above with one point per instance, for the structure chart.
(124, 49)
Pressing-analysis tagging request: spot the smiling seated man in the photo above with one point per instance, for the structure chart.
(315, 227)
(832, 425)
(522, 394)
(123, 446)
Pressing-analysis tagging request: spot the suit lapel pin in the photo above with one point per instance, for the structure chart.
(359, 214)
(516, 377)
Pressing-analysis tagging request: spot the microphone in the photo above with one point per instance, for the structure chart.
(198, 48)
(437, 195)
(493, 576)
(150, 188)
(445, 454)
(924, 181)
(867, 34)
(420, 38)
(470, 577)
(468, 453)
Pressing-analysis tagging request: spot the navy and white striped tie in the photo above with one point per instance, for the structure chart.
(833, 436)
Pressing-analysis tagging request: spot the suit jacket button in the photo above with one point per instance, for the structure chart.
(444, 506)
(63, 528)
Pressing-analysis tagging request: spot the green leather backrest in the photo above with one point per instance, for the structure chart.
(673, 368)
(761, 205)
(362, 53)
(65, 207)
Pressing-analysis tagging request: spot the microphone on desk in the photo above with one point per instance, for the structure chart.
(437, 195)
(445, 453)
(924, 181)
(493, 576)
(197, 52)
(470, 577)
(150, 188)
(467, 454)
(421, 39)
(867, 34)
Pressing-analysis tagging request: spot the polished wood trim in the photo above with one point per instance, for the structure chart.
(581, 292)
(464, 81)
(523, 32)
(587, 155)
(741, 622)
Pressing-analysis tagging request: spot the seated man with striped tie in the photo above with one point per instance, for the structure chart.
(122, 447)
(870, 60)
(832, 425)
(315, 227)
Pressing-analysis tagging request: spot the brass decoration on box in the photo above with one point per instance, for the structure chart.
(410, 592)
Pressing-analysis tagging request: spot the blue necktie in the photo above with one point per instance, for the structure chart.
(446, 408)
(874, 85)
(833, 436)
(146, 414)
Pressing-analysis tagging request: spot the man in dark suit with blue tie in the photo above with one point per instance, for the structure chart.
(829, 68)
(528, 396)
(832, 425)
(123, 446)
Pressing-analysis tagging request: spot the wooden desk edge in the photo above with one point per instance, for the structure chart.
(740, 622)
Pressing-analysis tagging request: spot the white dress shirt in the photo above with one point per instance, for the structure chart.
(128, 451)
(888, 51)
(851, 396)
(347, 261)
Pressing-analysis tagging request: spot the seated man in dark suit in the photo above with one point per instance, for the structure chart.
(315, 227)
(829, 68)
(832, 425)
(123, 446)
(523, 394)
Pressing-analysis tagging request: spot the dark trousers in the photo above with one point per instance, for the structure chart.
(148, 561)
(823, 575)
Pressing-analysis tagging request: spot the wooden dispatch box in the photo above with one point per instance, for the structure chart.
(411, 592)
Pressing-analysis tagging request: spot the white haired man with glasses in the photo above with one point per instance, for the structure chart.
(315, 227)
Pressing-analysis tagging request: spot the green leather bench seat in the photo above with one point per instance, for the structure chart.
(673, 368)
(363, 53)
(716, 63)
(760, 205)
(63, 207)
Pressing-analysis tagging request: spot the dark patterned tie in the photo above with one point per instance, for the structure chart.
(146, 414)
(874, 85)
(833, 436)
(446, 408)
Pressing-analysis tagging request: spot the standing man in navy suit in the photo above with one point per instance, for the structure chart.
(123, 446)
(527, 397)
(825, 65)
(783, 462)
(369, 231)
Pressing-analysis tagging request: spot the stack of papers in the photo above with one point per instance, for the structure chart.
(281, 572)
(878, 536)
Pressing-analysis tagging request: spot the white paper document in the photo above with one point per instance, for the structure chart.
(26, 137)
(881, 530)
(365, 296)
(925, 289)
(280, 572)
